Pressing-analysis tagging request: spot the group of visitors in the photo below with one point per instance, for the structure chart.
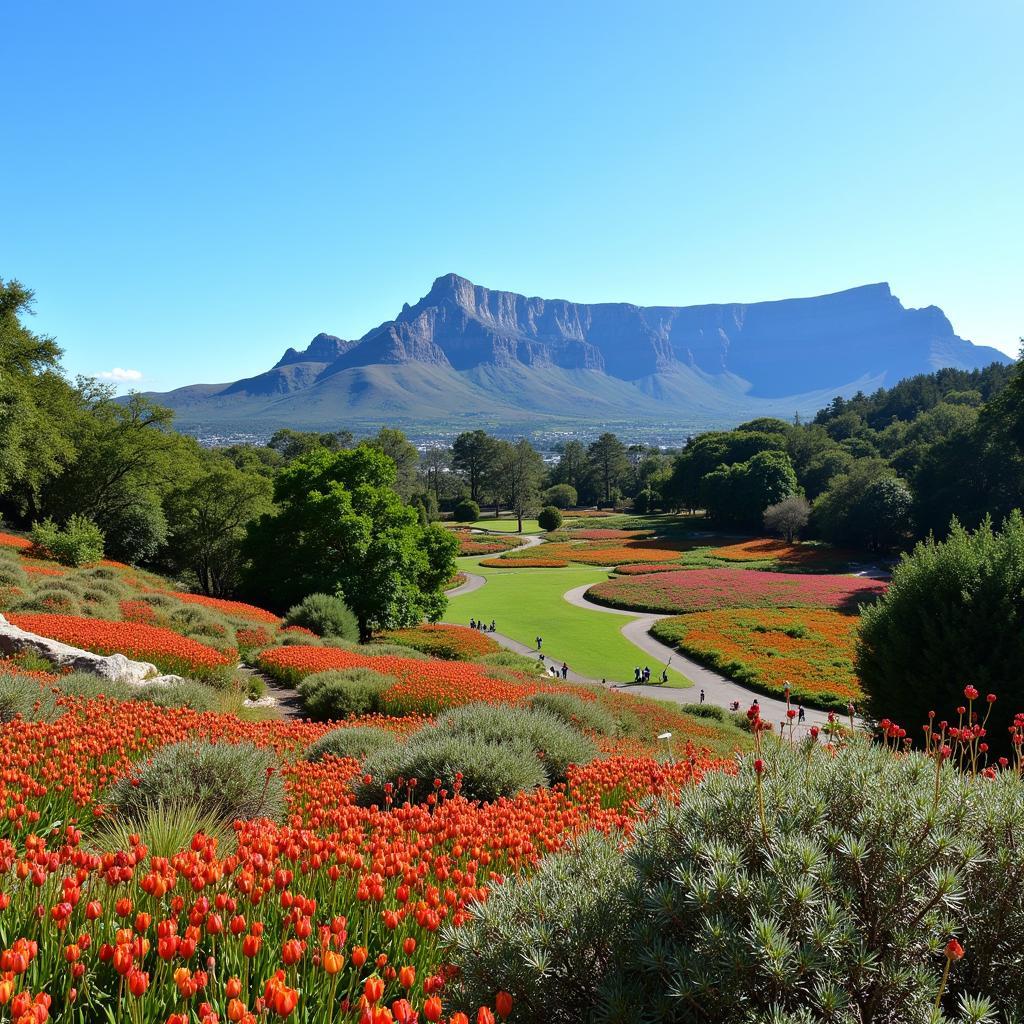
(481, 625)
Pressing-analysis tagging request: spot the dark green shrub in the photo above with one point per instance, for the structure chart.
(325, 615)
(580, 713)
(553, 742)
(488, 770)
(645, 501)
(226, 781)
(549, 941)
(837, 908)
(953, 614)
(562, 496)
(466, 511)
(79, 542)
(549, 518)
(358, 742)
(344, 693)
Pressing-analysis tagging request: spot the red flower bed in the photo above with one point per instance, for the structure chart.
(640, 568)
(238, 609)
(10, 540)
(696, 590)
(524, 563)
(42, 570)
(169, 651)
(451, 643)
(340, 899)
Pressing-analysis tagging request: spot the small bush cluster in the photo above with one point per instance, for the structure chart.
(225, 781)
(583, 714)
(358, 742)
(344, 693)
(484, 751)
(79, 542)
(325, 615)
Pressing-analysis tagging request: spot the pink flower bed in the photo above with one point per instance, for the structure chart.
(699, 590)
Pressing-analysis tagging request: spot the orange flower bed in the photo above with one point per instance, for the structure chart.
(605, 553)
(238, 609)
(298, 913)
(811, 649)
(42, 570)
(768, 549)
(450, 643)
(523, 563)
(10, 540)
(169, 651)
(642, 568)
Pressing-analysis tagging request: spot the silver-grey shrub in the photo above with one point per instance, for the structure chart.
(227, 781)
(359, 742)
(838, 910)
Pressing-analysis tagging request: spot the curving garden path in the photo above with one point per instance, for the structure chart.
(718, 689)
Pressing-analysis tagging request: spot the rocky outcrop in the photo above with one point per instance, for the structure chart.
(115, 667)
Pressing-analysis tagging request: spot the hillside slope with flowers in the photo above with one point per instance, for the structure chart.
(331, 911)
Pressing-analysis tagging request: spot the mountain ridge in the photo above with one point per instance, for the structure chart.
(465, 350)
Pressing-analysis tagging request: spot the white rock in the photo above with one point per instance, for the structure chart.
(115, 667)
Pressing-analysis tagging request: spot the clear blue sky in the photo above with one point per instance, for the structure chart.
(192, 187)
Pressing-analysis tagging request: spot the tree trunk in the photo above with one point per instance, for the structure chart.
(365, 633)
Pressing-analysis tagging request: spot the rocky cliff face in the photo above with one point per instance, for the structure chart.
(475, 348)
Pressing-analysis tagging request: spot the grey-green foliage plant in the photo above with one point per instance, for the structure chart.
(358, 741)
(226, 781)
(584, 714)
(25, 698)
(550, 941)
(554, 742)
(837, 909)
(326, 615)
(494, 751)
(485, 771)
(78, 542)
(343, 693)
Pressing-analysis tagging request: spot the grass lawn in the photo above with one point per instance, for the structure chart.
(527, 602)
(504, 525)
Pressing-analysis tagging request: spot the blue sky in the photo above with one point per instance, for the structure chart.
(192, 187)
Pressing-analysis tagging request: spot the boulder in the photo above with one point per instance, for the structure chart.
(111, 666)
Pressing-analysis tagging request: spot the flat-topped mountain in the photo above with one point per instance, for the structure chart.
(467, 353)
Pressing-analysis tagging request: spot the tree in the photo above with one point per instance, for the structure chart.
(473, 456)
(397, 447)
(788, 517)
(341, 528)
(209, 517)
(740, 493)
(561, 496)
(520, 470)
(293, 444)
(435, 464)
(953, 615)
(571, 467)
(129, 458)
(36, 404)
(549, 518)
(867, 507)
(608, 462)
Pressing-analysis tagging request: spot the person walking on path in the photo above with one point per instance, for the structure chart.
(565, 670)
(636, 674)
(702, 696)
(540, 642)
(800, 716)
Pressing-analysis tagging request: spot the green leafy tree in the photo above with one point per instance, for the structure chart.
(397, 447)
(740, 493)
(867, 507)
(562, 496)
(571, 469)
(36, 404)
(520, 470)
(952, 615)
(293, 444)
(342, 528)
(608, 464)
(473, 457)
(209, 518)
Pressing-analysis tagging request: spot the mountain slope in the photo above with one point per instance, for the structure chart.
(464, 353)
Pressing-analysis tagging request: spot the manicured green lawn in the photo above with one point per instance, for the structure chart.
(504, 525)
(527, 602)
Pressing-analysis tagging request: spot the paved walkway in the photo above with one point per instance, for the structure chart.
(718, 689)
